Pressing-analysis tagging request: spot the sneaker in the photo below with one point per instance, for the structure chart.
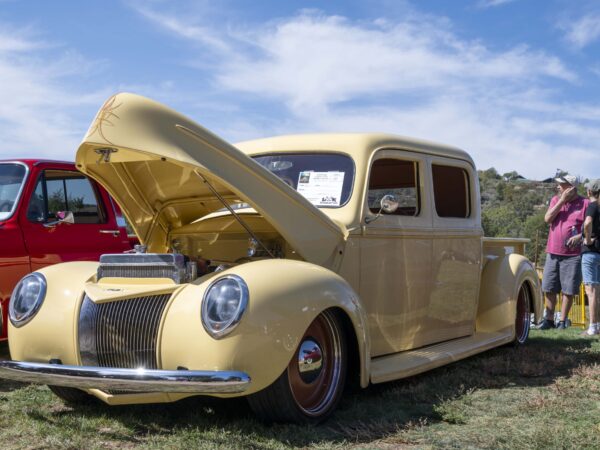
(590, 332)
(561, 325)
(546, 324)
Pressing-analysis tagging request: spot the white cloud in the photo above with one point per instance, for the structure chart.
(38, 109)
(492, 3)
(415, 77)
(313, 62)
(584, 31)
(199, 34)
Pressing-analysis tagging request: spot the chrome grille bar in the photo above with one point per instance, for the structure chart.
(121, 333)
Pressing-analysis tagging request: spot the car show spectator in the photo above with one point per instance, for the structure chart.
(590, 256)
(562, 270)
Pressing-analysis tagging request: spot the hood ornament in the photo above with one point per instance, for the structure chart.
(105, 153)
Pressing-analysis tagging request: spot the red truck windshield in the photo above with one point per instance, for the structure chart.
(12, 176)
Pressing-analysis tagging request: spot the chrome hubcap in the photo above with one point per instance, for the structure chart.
(310, 361)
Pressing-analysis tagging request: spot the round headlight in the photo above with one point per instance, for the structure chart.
(26, 299)
(223, 304)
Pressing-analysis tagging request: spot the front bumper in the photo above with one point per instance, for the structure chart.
(135, 380)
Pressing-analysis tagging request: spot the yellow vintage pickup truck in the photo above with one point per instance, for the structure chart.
(275, 269)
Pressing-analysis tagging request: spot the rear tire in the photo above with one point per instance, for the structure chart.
(72, 396)
(523, 313)
(311, 386)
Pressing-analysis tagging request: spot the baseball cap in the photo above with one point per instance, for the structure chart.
(593, 185)
(569, 179)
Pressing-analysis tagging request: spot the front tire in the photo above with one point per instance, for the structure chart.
(523, 315)
(311, 386)
(71, 396)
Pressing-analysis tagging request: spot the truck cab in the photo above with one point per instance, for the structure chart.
(36, 197)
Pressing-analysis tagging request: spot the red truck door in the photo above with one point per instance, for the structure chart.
(95, 231)
(14, 261)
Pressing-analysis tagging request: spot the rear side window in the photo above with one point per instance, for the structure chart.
(398, 178)
(451, 191)
(62, 190)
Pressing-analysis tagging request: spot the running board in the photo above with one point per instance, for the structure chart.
(412, 362)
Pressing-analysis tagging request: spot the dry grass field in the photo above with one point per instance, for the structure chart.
(545, 395)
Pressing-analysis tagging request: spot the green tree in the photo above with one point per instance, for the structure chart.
(56, 202)
(536, 230)
(515, 209)
(500, 221)
(511, 176)
(500, 188)
(489, 174)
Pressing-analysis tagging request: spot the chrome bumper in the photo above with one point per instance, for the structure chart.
(136, 380)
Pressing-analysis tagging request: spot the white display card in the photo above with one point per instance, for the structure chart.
(321, 188)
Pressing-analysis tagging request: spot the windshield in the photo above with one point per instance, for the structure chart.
(11, 180)
(325, 179)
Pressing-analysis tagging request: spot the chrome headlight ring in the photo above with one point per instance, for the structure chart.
(223, 305)
(27, 298)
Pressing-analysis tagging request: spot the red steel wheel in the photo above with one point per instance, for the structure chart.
(314, 374)
(311, 386)
(522, 319)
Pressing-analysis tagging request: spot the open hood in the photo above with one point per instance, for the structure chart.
(163, 170)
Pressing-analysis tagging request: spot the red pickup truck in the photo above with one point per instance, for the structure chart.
(51, 213)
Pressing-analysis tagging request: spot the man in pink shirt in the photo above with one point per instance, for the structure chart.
(562, 271)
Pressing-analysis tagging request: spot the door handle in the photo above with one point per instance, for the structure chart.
(115, 233)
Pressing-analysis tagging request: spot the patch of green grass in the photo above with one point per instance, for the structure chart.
(543, 395)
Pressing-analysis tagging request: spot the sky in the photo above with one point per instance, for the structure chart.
(513, 82)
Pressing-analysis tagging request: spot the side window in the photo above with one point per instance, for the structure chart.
(451, 191)
(396, 177)
(62, 190)
(57, 196)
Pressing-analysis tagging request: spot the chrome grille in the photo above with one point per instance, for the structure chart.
(121, 333)
(137, 271)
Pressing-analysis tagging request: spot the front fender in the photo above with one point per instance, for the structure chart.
(285, 296)
(501, 279)
(52, 333)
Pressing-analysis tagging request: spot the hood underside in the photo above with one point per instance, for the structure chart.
(165, 171)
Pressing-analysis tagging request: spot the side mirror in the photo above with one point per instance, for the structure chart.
(389, 204)
(62, 217)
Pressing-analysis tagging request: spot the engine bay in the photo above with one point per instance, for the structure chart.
(197, 249)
